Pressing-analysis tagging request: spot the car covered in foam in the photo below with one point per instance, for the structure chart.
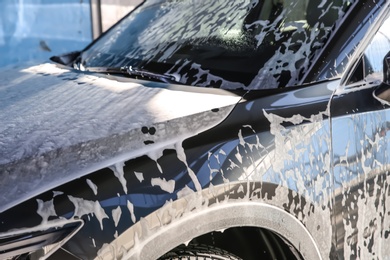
(212, 129)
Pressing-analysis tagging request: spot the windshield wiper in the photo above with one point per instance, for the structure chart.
(138, 73)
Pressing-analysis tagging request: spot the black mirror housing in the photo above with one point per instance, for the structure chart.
(386, 69)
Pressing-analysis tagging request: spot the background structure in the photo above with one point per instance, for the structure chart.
(31, 31)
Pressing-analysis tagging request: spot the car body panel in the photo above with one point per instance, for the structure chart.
(262, 165)
(361, 169)
(137, 187)
(95, 117)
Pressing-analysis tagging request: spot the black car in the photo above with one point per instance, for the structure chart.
(246, 129)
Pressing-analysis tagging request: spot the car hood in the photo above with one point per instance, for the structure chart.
(58, 124)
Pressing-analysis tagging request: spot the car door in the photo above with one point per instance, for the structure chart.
(360, 123)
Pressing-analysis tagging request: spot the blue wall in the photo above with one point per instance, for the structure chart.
(31, 31)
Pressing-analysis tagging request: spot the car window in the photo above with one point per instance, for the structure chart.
(370, 67)
(241, 44)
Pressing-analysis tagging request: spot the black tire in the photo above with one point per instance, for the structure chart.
(198, 252)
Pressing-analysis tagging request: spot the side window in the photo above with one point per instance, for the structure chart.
(370, 66)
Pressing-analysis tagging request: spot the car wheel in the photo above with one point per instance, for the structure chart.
(199, 252)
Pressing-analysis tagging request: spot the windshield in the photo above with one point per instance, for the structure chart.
(240, 44)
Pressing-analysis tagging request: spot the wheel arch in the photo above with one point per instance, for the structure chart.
(149, 239)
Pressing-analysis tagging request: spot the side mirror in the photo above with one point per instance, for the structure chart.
(382, 93)
(386, 69)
